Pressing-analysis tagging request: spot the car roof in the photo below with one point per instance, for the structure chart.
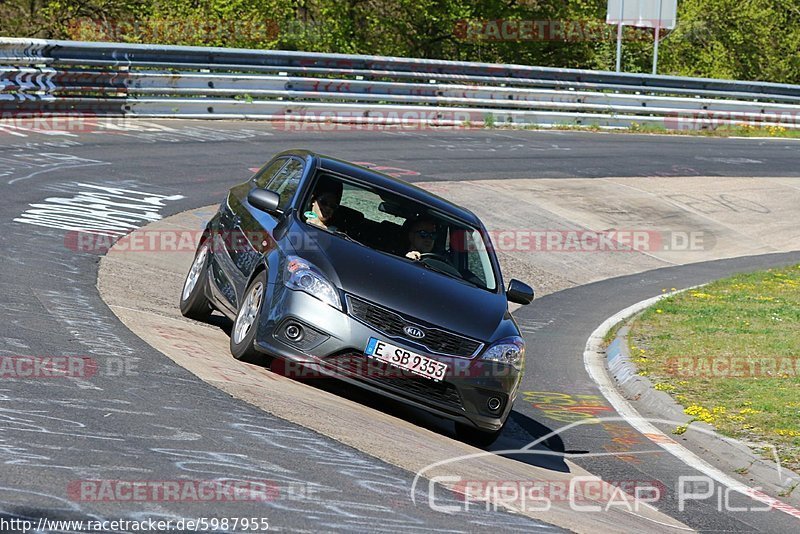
(387, 182)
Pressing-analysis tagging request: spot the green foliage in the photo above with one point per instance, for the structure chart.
(741, 39)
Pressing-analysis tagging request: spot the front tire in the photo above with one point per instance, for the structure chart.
(474, 436)
(194, 303)
(245, 326)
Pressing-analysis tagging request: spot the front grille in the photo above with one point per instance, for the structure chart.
(391, 323)
(400, 381)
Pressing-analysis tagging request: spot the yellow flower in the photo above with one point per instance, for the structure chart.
(699, 413)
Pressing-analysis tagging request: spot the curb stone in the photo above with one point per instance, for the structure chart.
(734, 455)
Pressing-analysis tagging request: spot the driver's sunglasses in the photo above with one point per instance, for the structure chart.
(424, 234)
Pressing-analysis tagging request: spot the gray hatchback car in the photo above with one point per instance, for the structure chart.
(340, 270)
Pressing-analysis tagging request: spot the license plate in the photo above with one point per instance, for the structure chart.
(400, 357)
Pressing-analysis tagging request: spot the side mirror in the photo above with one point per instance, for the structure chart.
(519, 292)
(283, 224)
(264, 199)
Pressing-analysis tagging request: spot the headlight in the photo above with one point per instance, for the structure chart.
(510, 350)
(303, 276)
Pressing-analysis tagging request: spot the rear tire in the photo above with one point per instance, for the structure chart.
(243, 333)
(474, 436)
(194, 303)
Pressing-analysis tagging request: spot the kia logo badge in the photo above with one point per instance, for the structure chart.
(414, 332)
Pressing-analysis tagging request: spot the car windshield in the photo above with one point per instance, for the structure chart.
(396, 225)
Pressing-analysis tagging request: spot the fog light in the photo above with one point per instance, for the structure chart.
(494, 404)
(294, 332)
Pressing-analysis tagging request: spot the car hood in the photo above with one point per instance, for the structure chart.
(404, 287)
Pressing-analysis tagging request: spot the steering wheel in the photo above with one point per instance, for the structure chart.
(440, 262)
(433, 256)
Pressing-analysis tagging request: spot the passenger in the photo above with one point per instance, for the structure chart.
(325, 203)
(421, 235)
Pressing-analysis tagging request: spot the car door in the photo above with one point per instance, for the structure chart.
(256, 227)
(230, 270)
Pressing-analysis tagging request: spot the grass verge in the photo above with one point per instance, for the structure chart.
(729, 352)
(644, 128)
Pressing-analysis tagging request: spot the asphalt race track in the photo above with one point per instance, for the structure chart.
(141, 417)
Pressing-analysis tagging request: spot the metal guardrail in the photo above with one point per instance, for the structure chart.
(39, 76)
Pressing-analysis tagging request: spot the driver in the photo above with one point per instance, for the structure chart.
(421, 235)
(325, 204)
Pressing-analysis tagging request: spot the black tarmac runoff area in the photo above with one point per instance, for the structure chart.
(59, 437)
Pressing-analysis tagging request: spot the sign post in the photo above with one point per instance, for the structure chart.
(619, 34)
(658, 36)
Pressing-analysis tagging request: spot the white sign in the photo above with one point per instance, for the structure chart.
(643, 13)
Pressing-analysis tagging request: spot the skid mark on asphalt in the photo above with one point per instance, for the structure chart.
(98, 209)
(36, 163)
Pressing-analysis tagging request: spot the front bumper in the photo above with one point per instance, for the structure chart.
(333, 345)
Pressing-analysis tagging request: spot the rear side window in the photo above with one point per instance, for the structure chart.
(368, 203)
(266, 174)
(287, 180)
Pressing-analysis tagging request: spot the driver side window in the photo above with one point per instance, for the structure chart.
(266, 174)
(286, 182)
